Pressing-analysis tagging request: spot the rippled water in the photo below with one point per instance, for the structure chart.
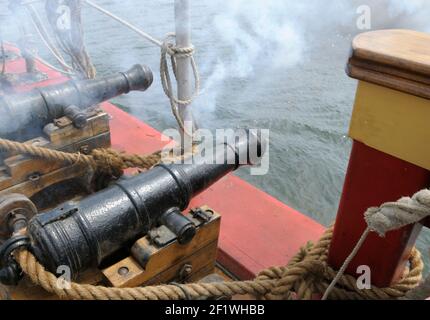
(306, 105)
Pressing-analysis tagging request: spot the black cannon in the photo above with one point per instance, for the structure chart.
(81, 234)
(22, 115)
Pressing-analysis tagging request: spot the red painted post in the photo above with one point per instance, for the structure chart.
(373, 178)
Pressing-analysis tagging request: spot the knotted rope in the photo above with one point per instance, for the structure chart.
(107, 162)
(395, 215)
(168, 48)
(389, 216)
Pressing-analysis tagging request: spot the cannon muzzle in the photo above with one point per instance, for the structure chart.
(23, 116)
(81, 234)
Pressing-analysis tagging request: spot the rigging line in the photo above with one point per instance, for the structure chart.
(41, 30)
(125, 23)
(346, 263)
(25, 2)
(38, 21)
(3, 55)
(46, 63)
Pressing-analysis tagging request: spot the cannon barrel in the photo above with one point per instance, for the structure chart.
(22, 115)
(81, 234)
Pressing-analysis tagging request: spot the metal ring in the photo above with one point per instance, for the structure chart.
(8, 247)
(14, 202)
(182, 182)
(180, 286)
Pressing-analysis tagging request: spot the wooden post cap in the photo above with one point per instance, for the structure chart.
(397, 59)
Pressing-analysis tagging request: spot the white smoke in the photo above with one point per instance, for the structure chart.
(399, 7)
(247, 38)
(266, 34)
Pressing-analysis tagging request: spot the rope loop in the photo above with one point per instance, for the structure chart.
(178, 52)
(169, 48)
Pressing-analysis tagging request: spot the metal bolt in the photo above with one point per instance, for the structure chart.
(16, 221)
(185, 271)
(34, 177)
(84, 149)
(123, 271)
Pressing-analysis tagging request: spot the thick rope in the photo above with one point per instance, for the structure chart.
(421, 292)
(395, 215)
(105, 161)
(389, 216)
(306, 275)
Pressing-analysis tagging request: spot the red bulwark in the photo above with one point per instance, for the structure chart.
(373, 178)
(17, 66)
(257, 230)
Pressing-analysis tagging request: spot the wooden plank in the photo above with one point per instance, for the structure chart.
(21, 168)
(67, 134)
(405, 49)
(395, 72)
(165, 262)
(28, 175)
(397, 59)
(30, 188)
(202, 262)
(136, 275)
(409, 86)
